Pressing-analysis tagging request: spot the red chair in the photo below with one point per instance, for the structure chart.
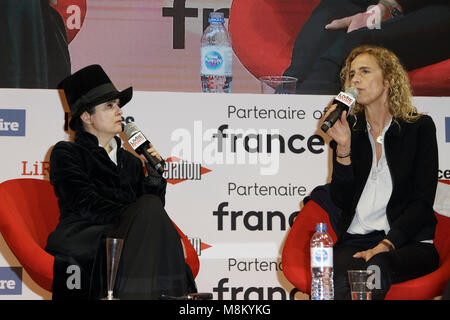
(264, 32)
(28, 213)
(296, 257)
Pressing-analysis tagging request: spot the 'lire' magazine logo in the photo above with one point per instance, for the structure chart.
(447, 129)
(12, 122)
(10, 280)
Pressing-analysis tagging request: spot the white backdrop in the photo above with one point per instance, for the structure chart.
(237, 211)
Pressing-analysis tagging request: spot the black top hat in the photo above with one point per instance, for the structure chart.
(88, 87)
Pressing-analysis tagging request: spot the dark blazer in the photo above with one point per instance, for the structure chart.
(412, 157)
(92, 193)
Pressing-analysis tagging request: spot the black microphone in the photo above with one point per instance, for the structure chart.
(345, 101)
(140, 144)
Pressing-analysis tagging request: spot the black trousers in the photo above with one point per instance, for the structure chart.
(418, 38)
(408, 262)
(152, 261)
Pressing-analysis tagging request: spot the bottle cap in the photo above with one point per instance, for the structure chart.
(321, 227)
(216, 17)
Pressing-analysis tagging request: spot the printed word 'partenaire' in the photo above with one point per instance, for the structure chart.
(262, 113)
(265, 190)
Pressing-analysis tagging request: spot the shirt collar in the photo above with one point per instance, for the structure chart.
(360, 127)
(386, 127)
(113, 153)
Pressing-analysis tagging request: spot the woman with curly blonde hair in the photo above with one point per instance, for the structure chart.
(399, 94)
(384, 180)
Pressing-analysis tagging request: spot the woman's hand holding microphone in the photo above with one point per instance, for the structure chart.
(340, 132)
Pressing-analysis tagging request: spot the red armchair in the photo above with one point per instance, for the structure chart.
(296, 257)
(264, 31)
(28, 213)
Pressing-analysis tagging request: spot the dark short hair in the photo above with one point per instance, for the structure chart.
(77, 123)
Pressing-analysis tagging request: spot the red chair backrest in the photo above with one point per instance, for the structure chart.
(28, 213)
(264, 32)
(296, 259)
(191, 255)
(30, 205)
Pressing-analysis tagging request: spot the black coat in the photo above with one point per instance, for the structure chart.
(36, 52)
(412, 157)
(92, 193)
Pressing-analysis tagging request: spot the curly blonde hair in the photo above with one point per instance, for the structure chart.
(400, 92)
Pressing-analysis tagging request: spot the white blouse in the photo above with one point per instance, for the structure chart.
(113, 154)
(371, 209)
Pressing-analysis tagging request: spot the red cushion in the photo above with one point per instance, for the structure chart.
(296, 257)
(264, 31)
(296, 252)
(433, 284)
(191, 254)
(432, 80)
(28, 213)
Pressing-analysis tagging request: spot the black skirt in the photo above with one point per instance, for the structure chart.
(152, 261)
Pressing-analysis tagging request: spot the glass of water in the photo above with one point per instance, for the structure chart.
(113, 253)
(361, 284)
(278, 84)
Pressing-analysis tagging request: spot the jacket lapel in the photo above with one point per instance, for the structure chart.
(90, 142)
(362, 159)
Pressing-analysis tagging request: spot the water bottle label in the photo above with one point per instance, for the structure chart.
(321, 257)
(216, 61)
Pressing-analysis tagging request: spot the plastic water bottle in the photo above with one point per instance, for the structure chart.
(216, 56)
(322, 264)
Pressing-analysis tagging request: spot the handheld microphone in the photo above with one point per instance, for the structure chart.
(345, 101)
(140, 144)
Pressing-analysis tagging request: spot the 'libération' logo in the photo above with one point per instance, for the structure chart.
(198, 245)
(177, 170)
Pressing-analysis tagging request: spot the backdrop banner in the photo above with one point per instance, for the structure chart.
(238, 167)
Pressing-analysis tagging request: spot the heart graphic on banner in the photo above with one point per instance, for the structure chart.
(73, 13)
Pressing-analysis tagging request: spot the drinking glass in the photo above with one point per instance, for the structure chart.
(361, 284)
(113, 253)
(278, 84)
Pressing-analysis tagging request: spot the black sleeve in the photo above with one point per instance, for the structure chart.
(342, 183)
(75, 192)
(419, 211)
(154, 183)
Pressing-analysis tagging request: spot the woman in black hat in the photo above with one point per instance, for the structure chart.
(102, 191)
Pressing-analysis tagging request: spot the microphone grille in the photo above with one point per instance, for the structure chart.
(130, 129)
(353, 92)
